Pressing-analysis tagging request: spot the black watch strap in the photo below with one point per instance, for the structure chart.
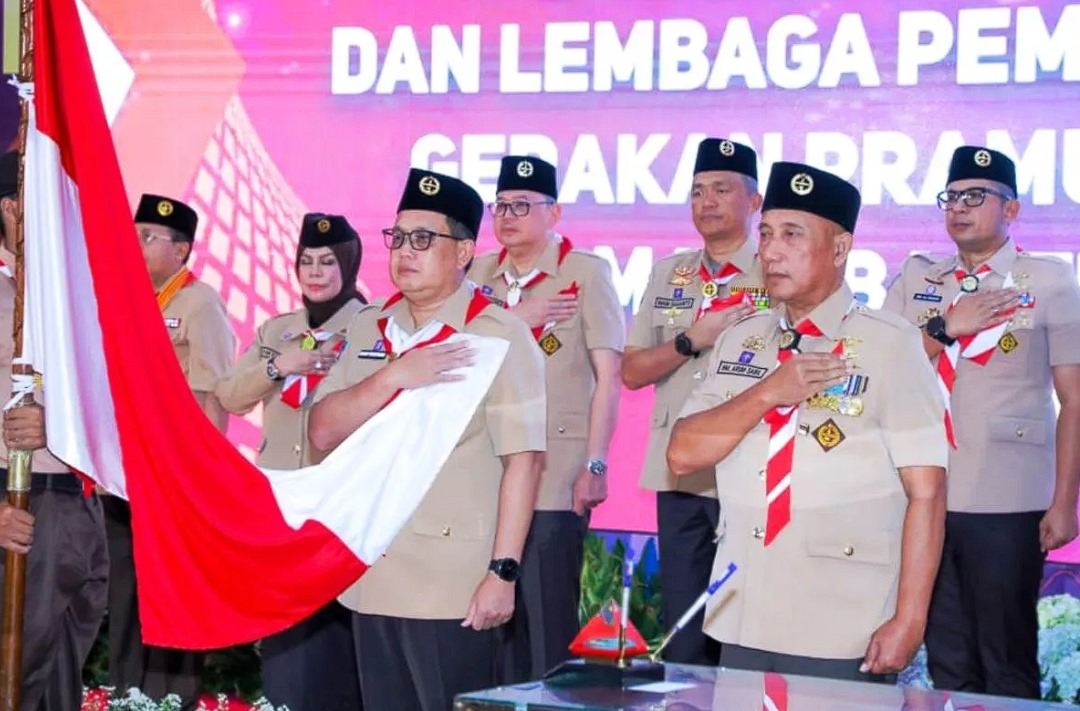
(685, 347)
(935, 328)
(505, 569)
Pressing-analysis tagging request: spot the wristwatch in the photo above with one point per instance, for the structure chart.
(505, 569)
(684, 347)
(597, 467)
(272, 371)
(935, 328)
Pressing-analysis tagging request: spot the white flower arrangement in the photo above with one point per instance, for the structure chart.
(135, 700)
(1059, 648)
(1059, 651)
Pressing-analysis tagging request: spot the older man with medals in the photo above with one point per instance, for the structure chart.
(1002, 327)
(824, 425)
(691, 297)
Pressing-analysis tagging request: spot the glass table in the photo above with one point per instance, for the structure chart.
(690, 688)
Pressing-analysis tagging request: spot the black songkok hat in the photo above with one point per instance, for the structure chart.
(722, 154)
(160, 210)
(426, 190)
(794, 186)
(972, 162)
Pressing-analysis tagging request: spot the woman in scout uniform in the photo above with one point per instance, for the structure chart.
(290, 355)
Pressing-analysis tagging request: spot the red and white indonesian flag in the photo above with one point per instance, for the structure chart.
(224, 552)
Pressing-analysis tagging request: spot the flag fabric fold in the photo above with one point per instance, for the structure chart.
(224, 552)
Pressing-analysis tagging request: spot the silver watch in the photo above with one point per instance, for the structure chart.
(597, 467)
(272, 371)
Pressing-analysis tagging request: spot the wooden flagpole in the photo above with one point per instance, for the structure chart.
(19, 460)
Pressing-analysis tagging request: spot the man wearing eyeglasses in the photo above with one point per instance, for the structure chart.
(567, 298)
(425, 613)
(205, 343)
(690, 299)
(1002, 327)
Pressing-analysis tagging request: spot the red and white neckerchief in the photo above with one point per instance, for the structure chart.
(397, 341)
(775, 697)
(977, 348)
(783, 424)
(712, 284)
(517, 286)
(5, 270)
(297, 387)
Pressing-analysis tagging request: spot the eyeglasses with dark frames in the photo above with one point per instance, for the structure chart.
(972, 197)
(419, 240)
(517, 208)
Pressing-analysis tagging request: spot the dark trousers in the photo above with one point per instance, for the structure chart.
(736, 657)
(982, 634)
(420, 665)
(66, 587)
(155, 670)
(537, 638)
(686, 538)
(309, 667)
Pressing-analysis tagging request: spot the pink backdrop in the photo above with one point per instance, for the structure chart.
(259, 111)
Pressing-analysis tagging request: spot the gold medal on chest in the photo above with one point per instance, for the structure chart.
(754, 343)
(682, 277)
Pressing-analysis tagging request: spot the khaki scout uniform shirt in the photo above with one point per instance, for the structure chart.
(43, 462)
(284, 441)
(830, 577)
(201, 334)
(668, 308)
(433, 567)
(1003, 413)
(570, 381)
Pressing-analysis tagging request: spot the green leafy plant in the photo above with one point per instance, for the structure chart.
(601, 581)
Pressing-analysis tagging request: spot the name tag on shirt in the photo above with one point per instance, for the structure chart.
(376, 352)
(746, 370)
(665, 303)
(172, 323)
(267, 352)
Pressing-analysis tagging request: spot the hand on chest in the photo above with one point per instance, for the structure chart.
(994, 315)
(757, 358)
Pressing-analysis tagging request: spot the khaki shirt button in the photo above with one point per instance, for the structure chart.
(446, 531)
(560, 429)
(849, 551)
(758, 532)
(1019, 433)
(297, 449)
(761, 475)
(698, 375)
